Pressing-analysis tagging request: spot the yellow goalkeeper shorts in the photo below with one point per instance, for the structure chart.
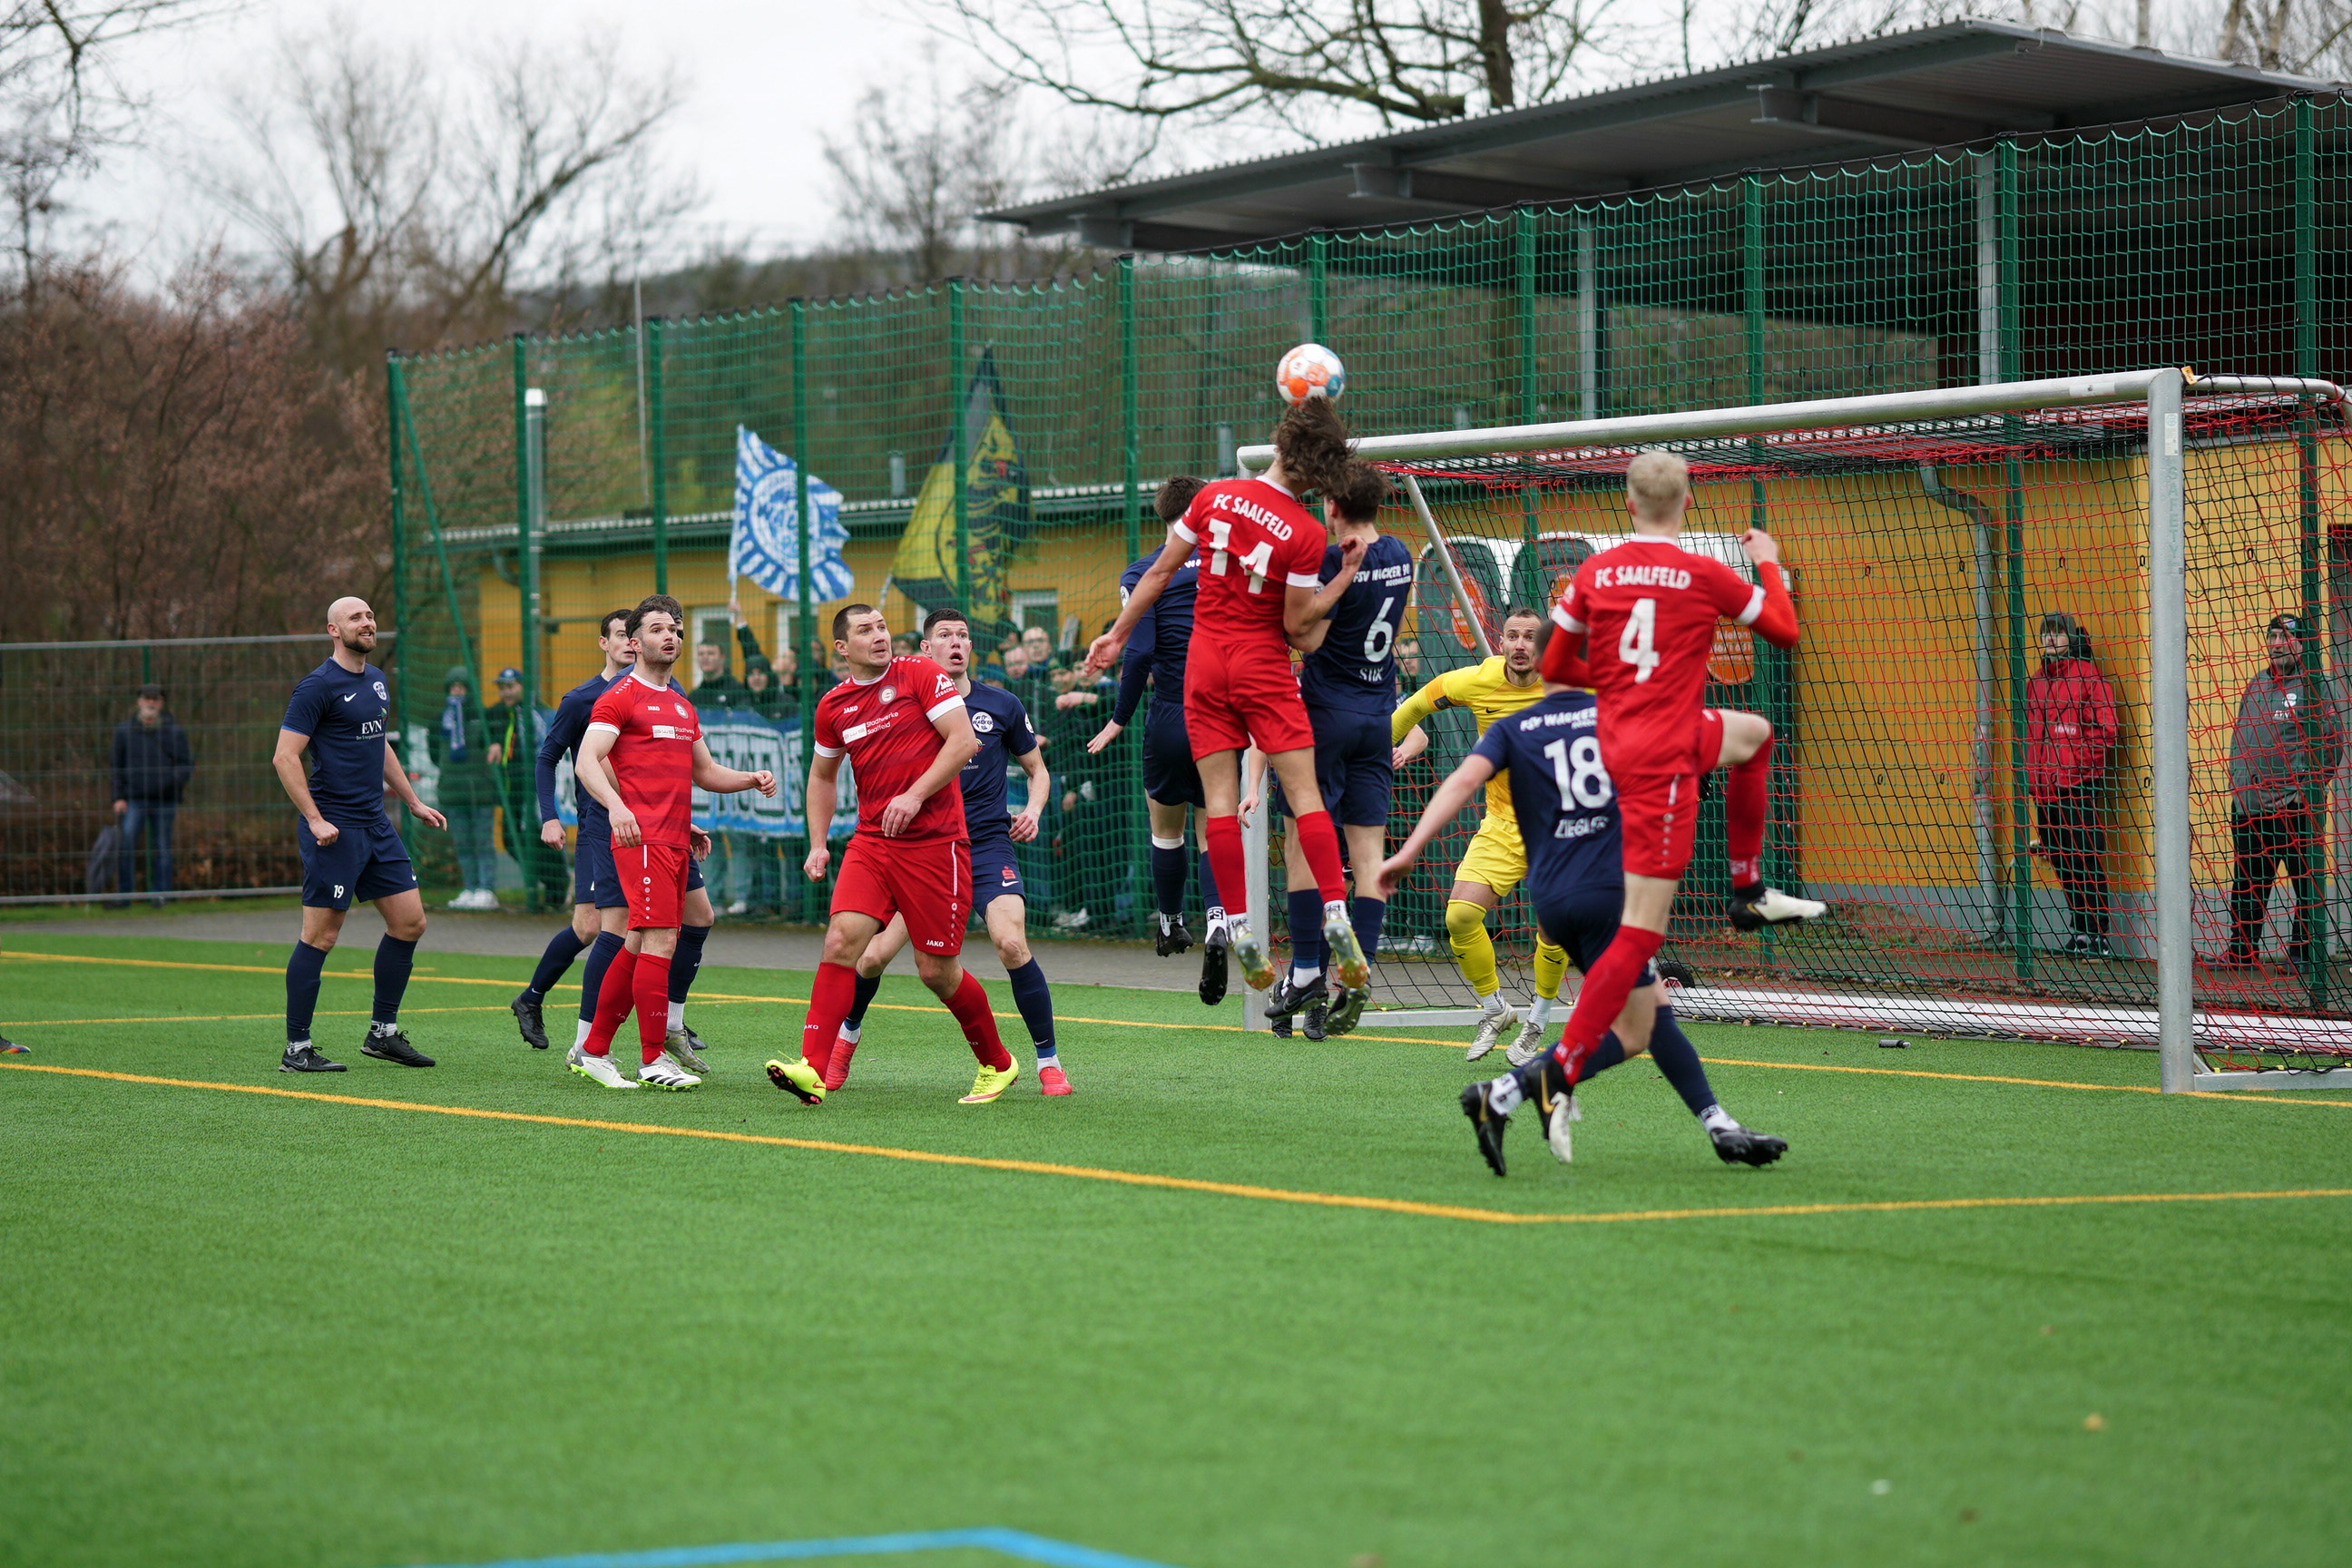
(1496, 859)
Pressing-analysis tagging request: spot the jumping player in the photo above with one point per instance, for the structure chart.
(599, 911)
(1002, 727)
(1171, 781)
(1645, 610)
(1254, 536)
(350, 851)
(1566, 810)
(1497, 859)
(907, 733)
(644, 745)
(1348, 681)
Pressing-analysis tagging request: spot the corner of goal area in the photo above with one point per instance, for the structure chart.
(1016, 1544)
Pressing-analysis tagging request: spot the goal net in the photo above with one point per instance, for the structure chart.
(2046, 749)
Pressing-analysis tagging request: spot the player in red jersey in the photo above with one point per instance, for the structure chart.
(1643, 615)
(903, 725)
(642, 757)
(1238, 686)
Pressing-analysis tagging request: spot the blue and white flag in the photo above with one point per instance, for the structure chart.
(764, 544)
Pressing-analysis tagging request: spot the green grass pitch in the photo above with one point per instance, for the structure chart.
(253, 1329)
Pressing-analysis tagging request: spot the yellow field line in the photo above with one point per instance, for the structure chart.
(2297, 1099)
(1188, 1184)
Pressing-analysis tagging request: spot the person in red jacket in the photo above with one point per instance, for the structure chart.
(2070, 733)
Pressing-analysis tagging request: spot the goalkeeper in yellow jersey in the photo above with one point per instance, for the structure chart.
(1495, 862)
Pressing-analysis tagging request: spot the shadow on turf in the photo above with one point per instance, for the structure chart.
(1014, 1544)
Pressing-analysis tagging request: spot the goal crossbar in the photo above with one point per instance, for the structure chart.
(2174, 1026)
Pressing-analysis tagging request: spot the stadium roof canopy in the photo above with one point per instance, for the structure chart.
(1948, 86)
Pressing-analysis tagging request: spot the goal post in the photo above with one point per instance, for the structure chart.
(2121, 500)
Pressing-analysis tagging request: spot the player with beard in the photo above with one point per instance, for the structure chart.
(1171, 780)
(339, 713)
(907, 734)
(642, 759)
(1002, 726)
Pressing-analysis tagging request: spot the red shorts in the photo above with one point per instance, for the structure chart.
(653, 879)
(1234, 697)
(1659, 811)
(929, 881)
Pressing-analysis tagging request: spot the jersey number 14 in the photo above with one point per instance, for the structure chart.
(1220, 536)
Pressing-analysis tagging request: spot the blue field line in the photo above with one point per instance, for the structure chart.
(1016, 1543)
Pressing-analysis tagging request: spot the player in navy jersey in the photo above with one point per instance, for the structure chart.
(1002, 726)
(1348, 683)
(600, 914)
(1567, 818)
(341, 713)
(1172, 779)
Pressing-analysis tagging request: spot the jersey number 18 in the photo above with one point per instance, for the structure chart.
(1577, 771)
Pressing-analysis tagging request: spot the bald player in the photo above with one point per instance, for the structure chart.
(340, 714)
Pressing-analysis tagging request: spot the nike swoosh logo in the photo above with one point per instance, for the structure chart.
(349, 695)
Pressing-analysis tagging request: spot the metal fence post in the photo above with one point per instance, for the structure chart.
(803, 689)
(1523, 292)
(2314, 603)
(1318, 298)
(392, 401)
(960, 478)
(655, 418)
(2168, 659)
(2011, 348)
(1130, 418)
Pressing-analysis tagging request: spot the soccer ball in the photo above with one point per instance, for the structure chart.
(1310, 370)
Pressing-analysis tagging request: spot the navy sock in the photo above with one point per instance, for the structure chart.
(861, 996)
(1678, 1059)
(1609, 1053)
(303, 989)
(1167, 870)
(686, 961)
(1306, 930)
(556, 962)
(1209, 900)
(609, 946)
(1366, 915)
(393, 960)
(1035, 1000)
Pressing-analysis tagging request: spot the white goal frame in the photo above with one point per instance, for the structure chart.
(2173, 1027)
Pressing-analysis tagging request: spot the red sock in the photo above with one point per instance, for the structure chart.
(970, 1005)
(613, 1000)
(651, 990)
(830, 996)
(1606, 986)
(1227, 863)
(1319, 842)
(1745, 801)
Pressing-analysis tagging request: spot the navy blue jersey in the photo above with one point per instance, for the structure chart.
(1566, 805)
(1002, 727)
(1355, 669)
(563, 736)
(1163, 634)
(344, 715)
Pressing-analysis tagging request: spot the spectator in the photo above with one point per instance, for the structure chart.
(153, 763)
(2286, 744)
(516, 728)
(840, 669)
(1408, 662)
(2070, 734)
(713, 686)
(903, 645)
(1086, 859)
(466, 793)
(1038, 642)
(1026, 678)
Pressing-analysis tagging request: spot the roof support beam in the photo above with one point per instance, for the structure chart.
(1845, 119)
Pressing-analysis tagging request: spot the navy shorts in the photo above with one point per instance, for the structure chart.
(995, 874)
(1583, 919)
(1351, 767)
(1170, 774)
(593, 877)
(363, 864)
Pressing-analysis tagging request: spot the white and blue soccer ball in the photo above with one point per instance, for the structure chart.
(1310, 370)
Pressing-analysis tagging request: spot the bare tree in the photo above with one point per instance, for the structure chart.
(1426, 60)
(399, 199)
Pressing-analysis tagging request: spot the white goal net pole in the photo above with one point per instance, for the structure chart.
(2161, 389)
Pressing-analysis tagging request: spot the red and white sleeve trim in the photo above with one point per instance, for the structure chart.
(948, 706)
(1564, 621)
(608, 729)
(824, 750)
(1754, 607)
(1182, 533)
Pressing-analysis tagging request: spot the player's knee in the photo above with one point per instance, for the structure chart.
(943, 975)
(409, 930)
(1466, 922)
(1012, 952)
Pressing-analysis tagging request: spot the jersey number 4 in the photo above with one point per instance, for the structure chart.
(1221, 535)
(1637, 645)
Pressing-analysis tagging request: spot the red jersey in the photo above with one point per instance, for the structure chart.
(885, 727)
(1649, 607)
(652, 759)
(1255, 541)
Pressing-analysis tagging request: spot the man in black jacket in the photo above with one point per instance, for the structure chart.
(2284, 747)
(152, 764)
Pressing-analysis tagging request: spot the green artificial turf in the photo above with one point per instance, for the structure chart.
(246, 1329)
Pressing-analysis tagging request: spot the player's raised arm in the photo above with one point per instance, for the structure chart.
(1172, 556)
(709, 775)
(1769, 611)
(1306, 611)
(1444, 804)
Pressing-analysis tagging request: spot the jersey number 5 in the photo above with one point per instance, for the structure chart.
(1221, 534)
(1637, 645)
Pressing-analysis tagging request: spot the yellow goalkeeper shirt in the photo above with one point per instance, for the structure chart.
(1487, 690)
